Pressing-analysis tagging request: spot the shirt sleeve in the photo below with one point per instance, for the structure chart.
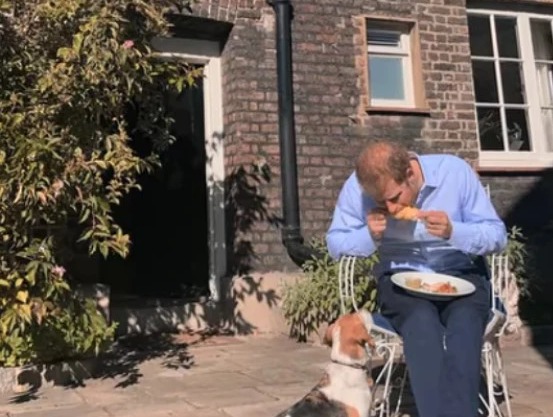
(348, 233)
(481, 231)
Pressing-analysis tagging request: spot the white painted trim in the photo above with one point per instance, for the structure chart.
(207, 53)
(538, 156)
(402, 51)
(213, 109)
(498, 159)
(507, 13)
(215, 171)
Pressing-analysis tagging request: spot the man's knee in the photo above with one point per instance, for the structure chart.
(467, 319)
(421, 325)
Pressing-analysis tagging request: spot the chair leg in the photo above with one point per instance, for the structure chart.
(496, 381)
(402, 382)
(488, 365)
(502, 376)
(381, 406)
(382, 401)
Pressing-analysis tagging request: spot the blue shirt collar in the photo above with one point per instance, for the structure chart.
(428, 172)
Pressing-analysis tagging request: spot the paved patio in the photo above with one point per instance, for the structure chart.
(233, 377)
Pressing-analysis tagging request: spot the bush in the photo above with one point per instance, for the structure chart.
(315, 300)
(69, 72)
(519, 259)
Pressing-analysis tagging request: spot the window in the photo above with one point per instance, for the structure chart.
(512, 63)
(394, 76)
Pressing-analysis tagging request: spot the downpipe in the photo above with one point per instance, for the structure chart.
(292, 238)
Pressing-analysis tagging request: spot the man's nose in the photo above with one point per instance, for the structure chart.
(392, 208)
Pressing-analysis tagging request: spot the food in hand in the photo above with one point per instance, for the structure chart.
(407, 213)
(437, 287)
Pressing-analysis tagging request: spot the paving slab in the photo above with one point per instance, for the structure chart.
(266, 409)
(80, 411)
(244, 377)
(227, 398)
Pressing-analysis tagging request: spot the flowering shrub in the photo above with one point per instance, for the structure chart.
(69, 69)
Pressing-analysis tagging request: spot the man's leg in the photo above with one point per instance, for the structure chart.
(418, 321)
(465, 319)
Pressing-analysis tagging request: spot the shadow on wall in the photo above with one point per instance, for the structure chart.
(533, 212)
(247, 299)
(247, 211)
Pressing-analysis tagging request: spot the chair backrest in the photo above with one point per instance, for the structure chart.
(346, 272)
(500, 278)
(505, 293)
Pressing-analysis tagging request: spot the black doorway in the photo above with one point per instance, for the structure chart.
(167, 220)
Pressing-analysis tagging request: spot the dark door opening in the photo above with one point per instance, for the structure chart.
(167, 220)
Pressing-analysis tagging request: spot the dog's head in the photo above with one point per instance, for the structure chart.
(349, 336)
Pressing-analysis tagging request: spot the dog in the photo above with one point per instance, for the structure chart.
(345, 389)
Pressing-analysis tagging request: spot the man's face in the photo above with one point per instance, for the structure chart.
(393, 197)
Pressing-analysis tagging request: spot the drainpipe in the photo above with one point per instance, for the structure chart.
(291, 231)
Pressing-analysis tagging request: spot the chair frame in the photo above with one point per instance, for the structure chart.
(388, 347)
(389, 344)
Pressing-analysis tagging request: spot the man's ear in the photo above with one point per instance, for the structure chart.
(410, 174)
(327, 339)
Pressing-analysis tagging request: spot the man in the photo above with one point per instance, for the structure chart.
(455, 227)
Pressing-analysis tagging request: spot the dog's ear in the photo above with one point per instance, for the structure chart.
(327, 339)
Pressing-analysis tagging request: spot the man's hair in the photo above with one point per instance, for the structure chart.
(381, 161)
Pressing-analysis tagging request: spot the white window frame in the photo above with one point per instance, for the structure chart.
(404, 50)
(538, 156)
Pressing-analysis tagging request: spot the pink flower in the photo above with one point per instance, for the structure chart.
(58, 270)
(128, 44)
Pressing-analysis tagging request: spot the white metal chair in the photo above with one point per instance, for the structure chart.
(389, 345)
(498, 323)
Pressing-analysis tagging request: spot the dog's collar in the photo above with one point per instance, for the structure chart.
(364, 367)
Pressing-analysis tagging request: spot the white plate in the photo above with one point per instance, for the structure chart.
(463, 286)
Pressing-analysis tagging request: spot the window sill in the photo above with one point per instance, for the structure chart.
(511, 170)
(398, 110)
(511, 164)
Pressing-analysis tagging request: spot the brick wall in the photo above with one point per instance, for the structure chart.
(332, 125)
(331, 122)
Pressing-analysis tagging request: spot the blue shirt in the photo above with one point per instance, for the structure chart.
(450, 185)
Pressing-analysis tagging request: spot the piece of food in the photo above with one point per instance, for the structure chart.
(443, 288)
(414, 283)
(436, 288)
(407, 213)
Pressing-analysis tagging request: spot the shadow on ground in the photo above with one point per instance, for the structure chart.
(121, 363)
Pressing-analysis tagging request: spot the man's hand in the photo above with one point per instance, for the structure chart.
(437, 223)
(376, 220)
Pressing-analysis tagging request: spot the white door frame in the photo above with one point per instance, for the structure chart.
(207, 53)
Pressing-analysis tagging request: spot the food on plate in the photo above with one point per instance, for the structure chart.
(407, 213)
(437, 287)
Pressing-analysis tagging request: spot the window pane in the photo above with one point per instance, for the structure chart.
(480, 36)
(490, 129)
(386, 78)
(507, 39)
(517, 130)
(541, 39)
(485, 85)
(545, 83)
(380, 37)
(547, 120)
(512, 84)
